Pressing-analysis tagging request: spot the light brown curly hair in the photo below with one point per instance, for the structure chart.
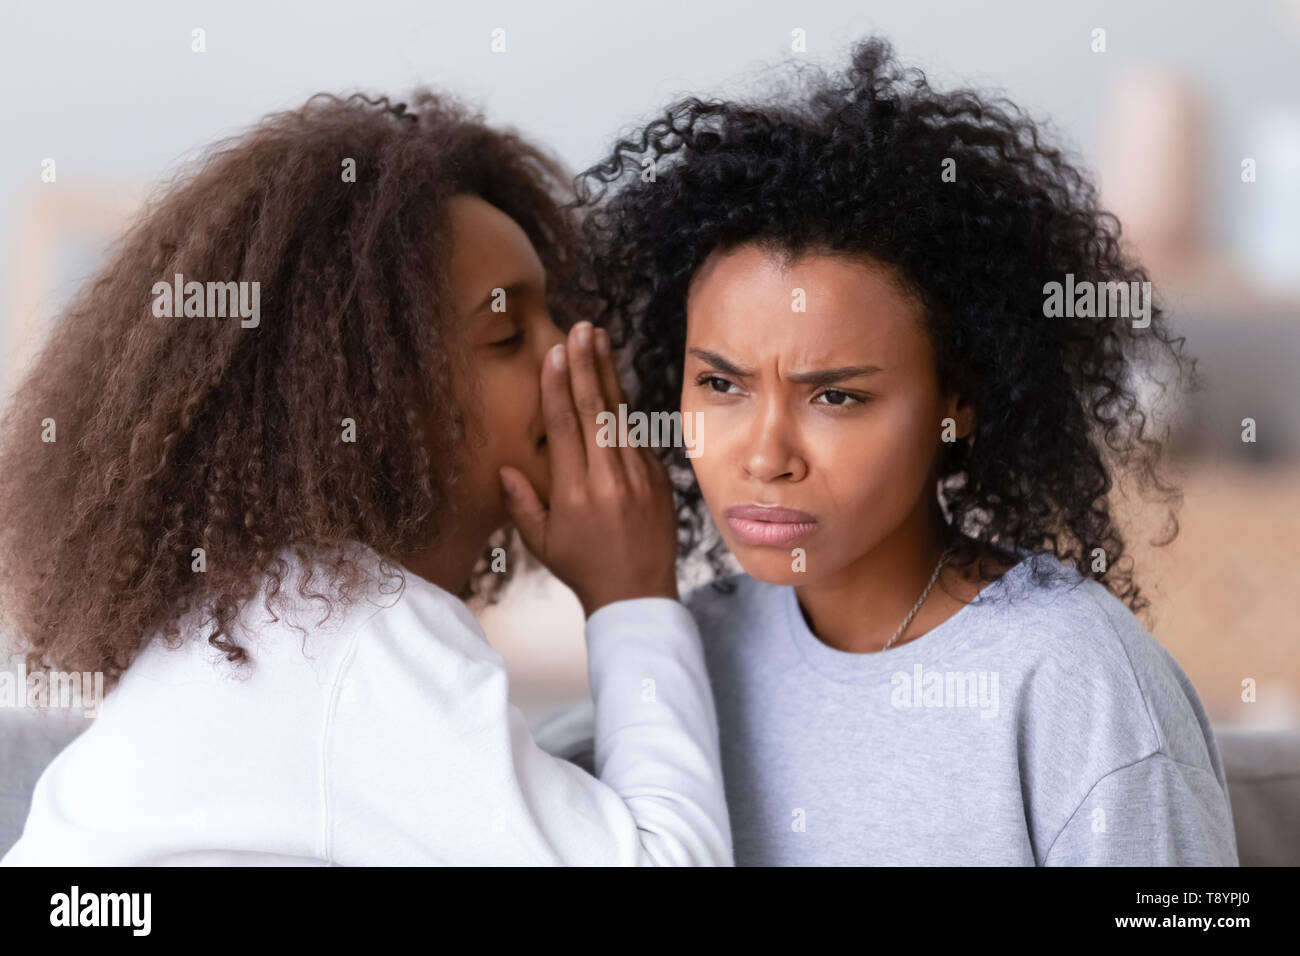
(179, 433)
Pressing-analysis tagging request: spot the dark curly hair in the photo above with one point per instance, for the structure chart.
(175, 434)
(851, 164)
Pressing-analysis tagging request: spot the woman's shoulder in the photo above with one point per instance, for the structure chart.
(1055, 607)
(1052, 612)
(1077, 641)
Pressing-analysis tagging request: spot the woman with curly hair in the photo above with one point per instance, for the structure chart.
(932, 654)
(258, 523)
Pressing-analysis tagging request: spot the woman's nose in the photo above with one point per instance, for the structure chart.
(772, 452)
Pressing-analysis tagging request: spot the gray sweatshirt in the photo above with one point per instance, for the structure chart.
(1040, 725)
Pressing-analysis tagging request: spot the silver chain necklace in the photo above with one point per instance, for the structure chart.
(919, 601)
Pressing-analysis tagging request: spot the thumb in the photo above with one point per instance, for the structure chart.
(526, 509)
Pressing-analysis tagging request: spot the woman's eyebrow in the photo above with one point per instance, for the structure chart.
(829, 376)
(826, 376)
(721, 364)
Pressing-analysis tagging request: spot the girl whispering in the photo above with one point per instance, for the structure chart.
(261, 532)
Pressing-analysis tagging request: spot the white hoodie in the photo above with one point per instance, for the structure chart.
(385, 736)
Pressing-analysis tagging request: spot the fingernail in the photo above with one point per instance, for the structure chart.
(602, 341)
(505, 483)
(583, 330)
(557, 357)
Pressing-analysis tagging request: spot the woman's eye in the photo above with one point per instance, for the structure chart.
(713, 383)
(837, 399)
(514, 340)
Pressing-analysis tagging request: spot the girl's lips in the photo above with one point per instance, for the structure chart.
(755, 524)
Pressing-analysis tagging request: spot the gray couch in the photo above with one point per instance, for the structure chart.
(1263, 773)
(29, 739)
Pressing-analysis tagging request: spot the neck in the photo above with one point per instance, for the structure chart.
(858, 608)
(448, 560)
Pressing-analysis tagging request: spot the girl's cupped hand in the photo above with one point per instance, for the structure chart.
(610, 530)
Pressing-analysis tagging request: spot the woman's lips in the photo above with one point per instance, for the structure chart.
(767, 525)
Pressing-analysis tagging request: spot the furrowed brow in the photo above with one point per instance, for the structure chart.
(829, 376)
(819, 377)
(721, 364)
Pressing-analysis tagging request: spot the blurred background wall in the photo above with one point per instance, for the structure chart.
(1182, 96)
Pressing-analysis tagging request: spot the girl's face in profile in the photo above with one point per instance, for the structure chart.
(822, 427)
(500, 390)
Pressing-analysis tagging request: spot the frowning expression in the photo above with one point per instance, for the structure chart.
(824, 425)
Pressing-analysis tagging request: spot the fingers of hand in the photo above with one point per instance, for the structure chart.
(524, 506)
(632, 460)
(609, 379)
(563, 433)
(603, 463)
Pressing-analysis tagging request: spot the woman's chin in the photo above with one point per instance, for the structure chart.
(782, 567)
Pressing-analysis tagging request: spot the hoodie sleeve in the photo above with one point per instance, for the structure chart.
(426, 761)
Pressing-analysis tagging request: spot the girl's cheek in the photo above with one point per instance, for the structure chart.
(525, 382)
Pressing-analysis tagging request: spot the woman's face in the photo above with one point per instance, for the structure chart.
(493, 262)
(833, 413)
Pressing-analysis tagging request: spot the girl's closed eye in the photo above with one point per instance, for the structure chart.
(512, 342)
